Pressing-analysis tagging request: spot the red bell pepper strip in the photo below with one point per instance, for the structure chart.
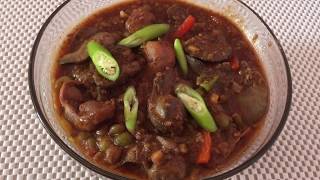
(185, 27)
(205, 151)
(235, 63)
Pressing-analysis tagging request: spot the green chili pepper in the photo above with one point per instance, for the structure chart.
(131, 103)
(145, 34)
(181, 56)
(196, 106)
(207, 83)
(105, 64)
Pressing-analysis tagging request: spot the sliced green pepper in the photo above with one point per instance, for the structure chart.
(207, 83)
(104, 62)
(145, 34)
(181, 56)
(131, 103)
(196, 106)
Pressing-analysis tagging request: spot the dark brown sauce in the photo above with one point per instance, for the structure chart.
(109, 20)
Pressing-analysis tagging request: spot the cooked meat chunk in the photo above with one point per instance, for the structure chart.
(130, 64)
(209, 47)
(95, 112)
(251, 103)
(173, 169)
(84, 115)
(132, 155)
(72, 92)
(105, 38)
(81, 54)
(139, 18)
(177, 13)
(166, 112)
(164, 82)
(113, 154)
(159, 55)
(83, 73)
(167, 144)
(199, 67)
(90, 146)
(226, 141)
(249, 76)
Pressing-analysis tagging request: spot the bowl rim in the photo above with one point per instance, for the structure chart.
(108, 174)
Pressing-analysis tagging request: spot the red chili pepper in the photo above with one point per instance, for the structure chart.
(205, 151)
(185, 26)
(235, 63)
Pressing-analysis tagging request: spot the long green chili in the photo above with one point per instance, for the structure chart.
(196, 106)
(181, 56)
(145, 34)
(207, 82)
(104, 62)
(131, 104)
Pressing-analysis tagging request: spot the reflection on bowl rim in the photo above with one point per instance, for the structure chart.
(105, 173)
